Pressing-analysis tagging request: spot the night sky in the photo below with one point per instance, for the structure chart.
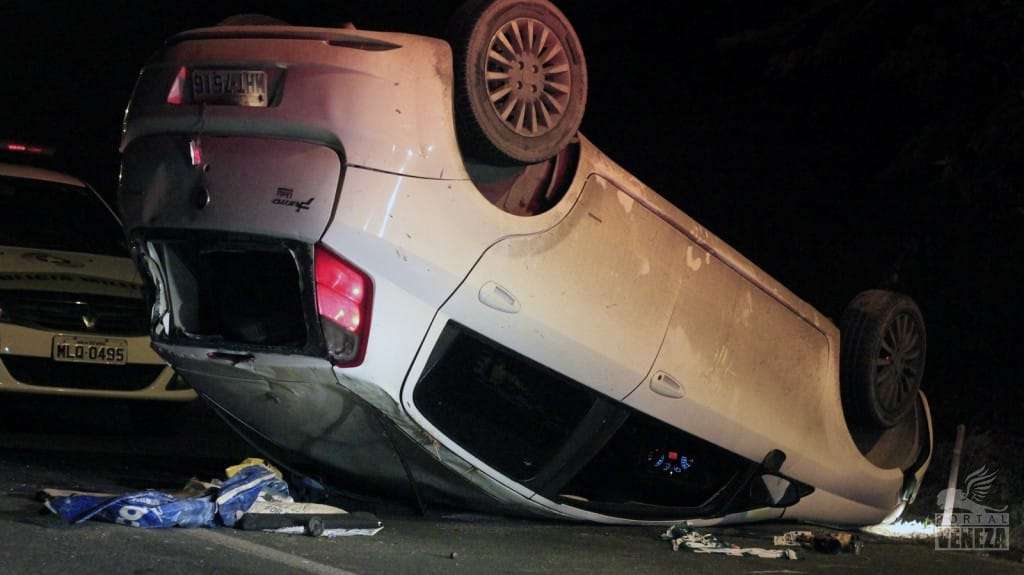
(840, 145)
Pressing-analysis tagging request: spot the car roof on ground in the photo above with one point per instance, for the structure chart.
(33, 173)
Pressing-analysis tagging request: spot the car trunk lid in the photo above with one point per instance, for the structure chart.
(278, 188)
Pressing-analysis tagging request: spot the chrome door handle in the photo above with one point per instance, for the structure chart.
(497, 297)
(664, 384)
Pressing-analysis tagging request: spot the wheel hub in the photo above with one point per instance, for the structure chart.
(526, 77)
(899, 363)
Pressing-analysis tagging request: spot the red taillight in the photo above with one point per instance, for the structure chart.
(177, 92)
(344, 297)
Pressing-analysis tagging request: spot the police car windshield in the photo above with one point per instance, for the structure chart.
(46, 215)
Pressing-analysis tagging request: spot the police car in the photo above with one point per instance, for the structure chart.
(72, 316)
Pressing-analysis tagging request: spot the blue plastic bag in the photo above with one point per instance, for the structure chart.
(143, 509)
(238, 493)
(153, 509)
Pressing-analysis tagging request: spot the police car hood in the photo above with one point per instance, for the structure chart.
(68, 272)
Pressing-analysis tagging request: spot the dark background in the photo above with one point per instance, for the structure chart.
(840, 145)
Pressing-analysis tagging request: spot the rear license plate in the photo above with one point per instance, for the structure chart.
(230, 87)
(78, 349)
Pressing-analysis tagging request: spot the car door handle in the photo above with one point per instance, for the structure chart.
(664, 384)
(233, 358)
(497, 297)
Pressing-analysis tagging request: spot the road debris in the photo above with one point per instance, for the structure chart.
(253, 497)
(904, 530)
(698, 542)
(752, 552)
(791, 538)
(691, 539)
(312, 519)
(249, 461)
(832, 543)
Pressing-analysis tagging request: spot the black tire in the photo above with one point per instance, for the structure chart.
(545, 75)
(882, 357)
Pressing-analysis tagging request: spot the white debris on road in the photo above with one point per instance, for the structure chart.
(904, 530)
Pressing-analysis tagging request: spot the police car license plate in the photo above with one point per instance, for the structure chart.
(78, 349)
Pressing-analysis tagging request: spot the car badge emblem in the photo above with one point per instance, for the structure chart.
(52, 259)
(89, 322)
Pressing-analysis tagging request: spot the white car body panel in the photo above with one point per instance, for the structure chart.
(242, 194)
(421, 237)
(595, 292)
(389, 108)
(729, 396)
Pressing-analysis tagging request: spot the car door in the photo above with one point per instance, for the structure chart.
(542, 332)
(738, 367)
(589, 298)
(749, 367)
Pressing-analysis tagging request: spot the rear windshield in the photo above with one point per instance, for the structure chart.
(46, 215)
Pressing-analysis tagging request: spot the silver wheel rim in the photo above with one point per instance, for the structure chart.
(528, 77)
(899, 364)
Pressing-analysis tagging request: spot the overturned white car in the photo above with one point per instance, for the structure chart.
(392, 263)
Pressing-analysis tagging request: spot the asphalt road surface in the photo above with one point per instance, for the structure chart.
(116, 447)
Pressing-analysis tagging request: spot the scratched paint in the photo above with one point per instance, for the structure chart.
(625, 201)
(745, 309)
(693, 259)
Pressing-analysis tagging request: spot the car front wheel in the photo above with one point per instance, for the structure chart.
(882, 357)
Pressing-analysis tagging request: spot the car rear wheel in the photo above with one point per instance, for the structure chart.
(882, 357)
(520, 80)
